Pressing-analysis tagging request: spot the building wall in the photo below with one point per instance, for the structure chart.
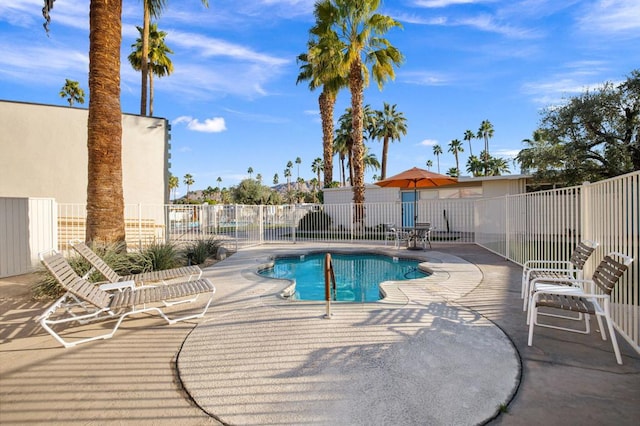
(43, 153)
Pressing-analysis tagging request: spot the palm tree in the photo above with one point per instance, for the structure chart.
(158, 64)
(287, 174)
(219, 180)
(429, 164)
(105, 199)
(475, 166)
(276, 179)
(341, 147)
(188, 180)
(370, 160)
(72, 91)
(250, 171)
(317, 166)
(321, 67)
(298, 162)
(389, 125)
(455, 146)
(151, 8)
(174, 182)
(497, 166)
(468, 135)
(453, 172)
(358, 27)
(485, 132)
(437, 151)
(259, 178)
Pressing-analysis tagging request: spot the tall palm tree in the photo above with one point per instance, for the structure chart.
(359, 28)
(485, 132)
(341, 144)
(389, 125)
(298, 162)
(429, 164)
(455, 146)
(276, 179)
(287, 174)
(250, 171)
(158, 64)
(320, 66)
(370, 160)
(188, 180)
(468, 135)
(72, 91)
(105, 199)
(437, 151)
(151, 8)
(219, 180)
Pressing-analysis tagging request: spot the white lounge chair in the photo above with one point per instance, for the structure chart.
(185, 273)
(588, 297)
(540, 269)
(85, 301)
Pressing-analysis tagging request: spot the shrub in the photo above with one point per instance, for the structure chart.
(162, 255)
(199, 251)
(315, 221)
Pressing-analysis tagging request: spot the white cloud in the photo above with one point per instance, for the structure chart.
(210, 125)
(612, 16)
(428, 142)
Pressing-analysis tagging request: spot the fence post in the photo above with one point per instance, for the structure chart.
(507, 229)
(585, 213)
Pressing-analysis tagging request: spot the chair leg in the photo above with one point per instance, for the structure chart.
(612, 333)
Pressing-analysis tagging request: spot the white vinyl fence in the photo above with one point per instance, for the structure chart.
(540, 225)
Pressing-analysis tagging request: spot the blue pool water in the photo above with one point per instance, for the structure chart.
(357, 276)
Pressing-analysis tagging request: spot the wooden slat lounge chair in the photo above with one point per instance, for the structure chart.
(588, 297)
(572, 268)
(185, 273)
(85, 301)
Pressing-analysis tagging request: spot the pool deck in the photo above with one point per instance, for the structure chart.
(448, 349)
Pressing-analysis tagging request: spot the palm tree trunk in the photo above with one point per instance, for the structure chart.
(356, 85)
(385, 150)
(144, 60)
(151, 94)
(105, 200)
(327, 103)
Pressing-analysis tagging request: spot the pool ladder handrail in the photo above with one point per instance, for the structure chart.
(330, 289)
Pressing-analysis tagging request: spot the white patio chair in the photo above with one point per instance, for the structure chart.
(588, 297)
(85, 301)
(572, 268)
(185, 273)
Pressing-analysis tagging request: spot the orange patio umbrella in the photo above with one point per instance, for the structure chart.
(416, 178)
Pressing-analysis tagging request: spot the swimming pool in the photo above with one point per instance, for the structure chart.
(357, 275)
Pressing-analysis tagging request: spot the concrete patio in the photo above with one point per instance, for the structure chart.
(448, 350)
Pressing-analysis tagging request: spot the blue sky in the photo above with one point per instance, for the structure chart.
(233, 102)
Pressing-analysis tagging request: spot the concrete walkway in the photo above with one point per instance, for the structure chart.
(441, 351)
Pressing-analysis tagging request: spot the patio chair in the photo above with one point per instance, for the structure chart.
(588, 297)
(84, 301)
(400, 237)
(572, 268)
(190, 272)
(424, 233)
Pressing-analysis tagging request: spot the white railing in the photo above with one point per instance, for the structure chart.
(549, 224)
(540, 225)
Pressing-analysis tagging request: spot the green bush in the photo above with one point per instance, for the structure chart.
(198, 252)
(162, 255)
(315, 221)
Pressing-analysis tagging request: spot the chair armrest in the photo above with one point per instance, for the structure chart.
(122, 285)
(530, 264)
